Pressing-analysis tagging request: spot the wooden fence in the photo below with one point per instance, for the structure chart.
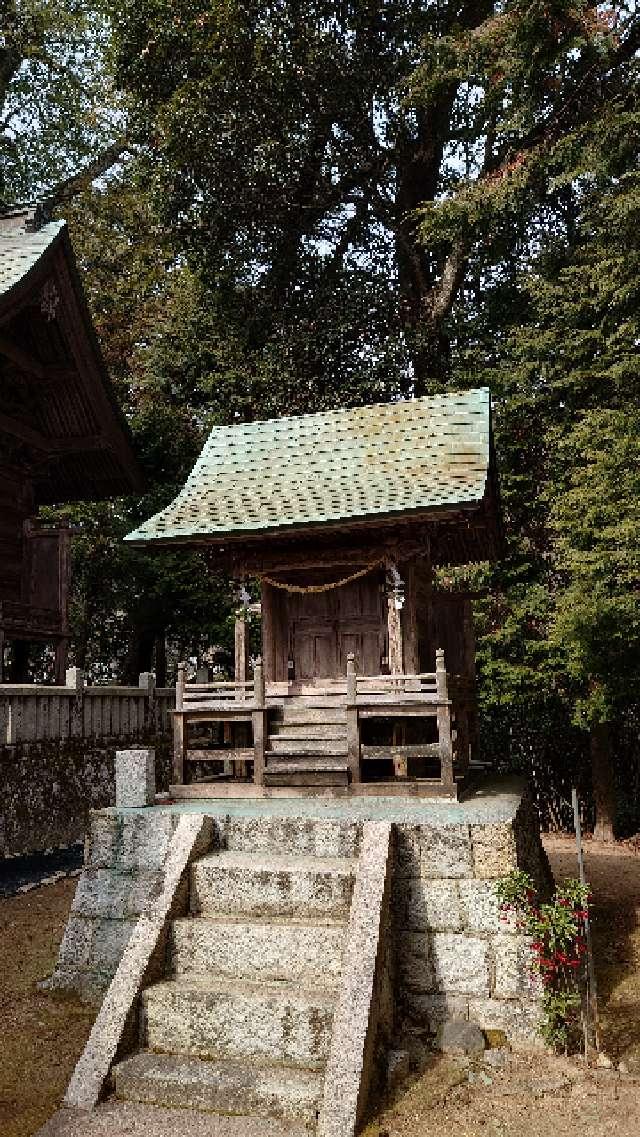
(32, 712)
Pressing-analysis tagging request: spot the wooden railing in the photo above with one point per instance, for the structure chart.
(237, 701)
(395, 697)
(33, 712)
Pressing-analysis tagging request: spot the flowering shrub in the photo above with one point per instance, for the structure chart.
(558, 944)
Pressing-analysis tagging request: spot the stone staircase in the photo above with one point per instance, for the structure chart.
(242, 1023)
(307, 745)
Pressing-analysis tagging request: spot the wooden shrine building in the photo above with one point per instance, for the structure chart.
(366, 681)
(62, 435)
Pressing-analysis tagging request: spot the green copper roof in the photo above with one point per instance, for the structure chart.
(290, 473)
(20, 250)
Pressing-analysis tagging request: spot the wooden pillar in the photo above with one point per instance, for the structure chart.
(258, 718)
(444, 723)
(62, 648)
(179, 728)
(410, 620)
(394, 628)
(268, 632)
(241, 646)
(353, 726)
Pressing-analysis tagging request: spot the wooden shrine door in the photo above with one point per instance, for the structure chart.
(326, 626)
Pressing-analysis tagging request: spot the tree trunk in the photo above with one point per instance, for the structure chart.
(603, 781)
(161, 660)
(140, 653)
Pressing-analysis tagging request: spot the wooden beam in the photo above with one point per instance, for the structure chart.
(25, 433)
(37, 440)
(22, 358)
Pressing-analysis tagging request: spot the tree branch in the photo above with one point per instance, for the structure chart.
(70, 187)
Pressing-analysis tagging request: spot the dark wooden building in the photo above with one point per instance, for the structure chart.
(367, 674)
(62, 435)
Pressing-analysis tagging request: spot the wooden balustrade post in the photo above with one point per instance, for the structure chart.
(259, 717)
(147, 682)
(444, 723)
(353, 726)
(74, 678)
(179, 727)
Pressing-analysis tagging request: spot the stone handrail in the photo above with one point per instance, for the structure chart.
(33, 712)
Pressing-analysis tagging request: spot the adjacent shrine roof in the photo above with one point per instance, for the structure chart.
(59, 418)
(390, 460)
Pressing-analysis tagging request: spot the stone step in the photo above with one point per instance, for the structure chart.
(214, 1017)
(115, 1118)
(271, 884)
(303, 836)
(312, 746)
(307, 951)
(229, 1087)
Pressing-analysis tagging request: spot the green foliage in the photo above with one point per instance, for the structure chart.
(58, 104)
(556, 930)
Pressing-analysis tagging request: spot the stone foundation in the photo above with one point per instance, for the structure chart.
(454, 958)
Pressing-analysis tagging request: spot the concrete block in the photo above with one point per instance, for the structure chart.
(102, 893)
(75, 949)
(445, 851)
(272, 885)
(513, 959)
(516, 1018)
(408, 846)
(494, 850)
(101, 842)
(302, 951)
(135, 778)
(457, 1036)
(433, 905)
(228, 1088)
(431, 1010)
(461, 963)
(298, 836)
(144, 840)
(481, 907)
(222, 1018)
(415, 961)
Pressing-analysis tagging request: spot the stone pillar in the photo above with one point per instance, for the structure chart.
(135, 778)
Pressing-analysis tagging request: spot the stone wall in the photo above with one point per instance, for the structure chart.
(49, 787)
(456, 958)
(123, 863)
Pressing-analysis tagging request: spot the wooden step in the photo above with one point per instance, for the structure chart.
(308, 729)
(308, 777)
(300, 763)
(310, 711)
(330, 747)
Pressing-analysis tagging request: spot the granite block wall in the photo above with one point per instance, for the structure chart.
(456, 958)
(124, 864)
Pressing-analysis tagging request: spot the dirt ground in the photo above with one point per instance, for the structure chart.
(41, 1035)
(531, 1096)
